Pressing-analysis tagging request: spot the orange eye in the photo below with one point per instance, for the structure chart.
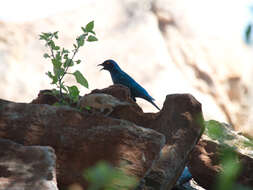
(107, 62)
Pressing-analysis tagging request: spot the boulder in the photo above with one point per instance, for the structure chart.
(204, 162)
(156, 146)
(180, 120)
(26, 167)
(80, 140)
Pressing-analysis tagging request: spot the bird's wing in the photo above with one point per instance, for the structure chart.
(140, 91)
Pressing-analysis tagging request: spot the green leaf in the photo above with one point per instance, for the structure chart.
(56, 62)
(53, 77)
(89, 27)
(45, 36)
(46, 55)
(64, 51)
(50, 74)
(78, 61)
(58, 56)
(73, 93)
(80, 41)
(42, 37)
(80, 79)
(56, 34)
(93, 32)
(104, 176)
(92, 38)
(87, 107)
(83, 29)
(56, 48)
(58, 72)
(51, 44)
(230, 169)
(68, 63)
(66, 56)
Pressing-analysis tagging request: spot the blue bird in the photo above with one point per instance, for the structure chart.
(120, 77)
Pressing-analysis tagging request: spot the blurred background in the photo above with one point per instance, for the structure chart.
(198, 47)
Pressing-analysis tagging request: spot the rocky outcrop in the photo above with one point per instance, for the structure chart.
(80, 140)
(155, 146)
(204, 163)
(26, 167)
(180, 120)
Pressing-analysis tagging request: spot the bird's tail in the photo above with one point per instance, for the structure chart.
(155, 105)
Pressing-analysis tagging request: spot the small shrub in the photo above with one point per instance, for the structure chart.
(62, 59)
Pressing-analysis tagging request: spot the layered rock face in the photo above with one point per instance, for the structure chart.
(154, 146)
(206, 157)
(166, 45)
(26, 167)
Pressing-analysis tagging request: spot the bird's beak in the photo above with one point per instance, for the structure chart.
(101, 65)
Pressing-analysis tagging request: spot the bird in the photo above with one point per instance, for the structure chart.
(120, 77)
(101, 102)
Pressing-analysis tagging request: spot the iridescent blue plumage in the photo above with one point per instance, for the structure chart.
(120, 77)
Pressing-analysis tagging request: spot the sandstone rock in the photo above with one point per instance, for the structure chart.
(180, 120)
(204, 164)
(80, 139)
(45, 97)
(26, 167)
(75, 136)
(101, 102)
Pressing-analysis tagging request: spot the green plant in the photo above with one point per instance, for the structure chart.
(230, 169)
(214, 130)
(62, 59)
(106, 177)
(231, 166)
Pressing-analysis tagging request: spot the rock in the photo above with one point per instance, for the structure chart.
(48, 97)
(26, 167)
(180, 120)
(45, 97)
(120, 92)
(204, 163)
(75, 135)
(80, 140)
(191, 185)
(104, 103)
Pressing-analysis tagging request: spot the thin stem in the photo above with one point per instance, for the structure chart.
(65, 70)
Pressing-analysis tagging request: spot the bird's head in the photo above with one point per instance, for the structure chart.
(109, 65)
